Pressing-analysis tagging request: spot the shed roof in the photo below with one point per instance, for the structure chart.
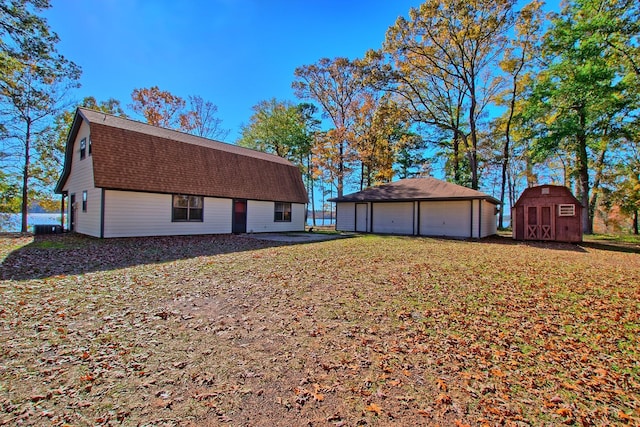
(547, 191)
(416, 189)
(135, 156)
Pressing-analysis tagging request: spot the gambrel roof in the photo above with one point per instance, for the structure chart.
(416, 189)
(134, 156)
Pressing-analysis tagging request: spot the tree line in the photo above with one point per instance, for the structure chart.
(495, 95)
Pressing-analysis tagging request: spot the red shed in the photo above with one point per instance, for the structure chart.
(547, 212)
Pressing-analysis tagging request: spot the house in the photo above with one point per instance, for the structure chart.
(419, 207)
(125, 178)
(547, 212)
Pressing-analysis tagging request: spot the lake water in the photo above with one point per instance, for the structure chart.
(11, 222)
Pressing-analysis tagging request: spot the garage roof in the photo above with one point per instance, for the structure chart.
(416, 189)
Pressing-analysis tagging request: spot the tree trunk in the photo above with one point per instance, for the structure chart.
(635, 222)
(583, 172)
(456, 157)
(473, 155)
(311, 186)
(25, 180)
(340, 168)
(593, 201)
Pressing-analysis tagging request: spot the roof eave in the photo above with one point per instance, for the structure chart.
(68, 155)
(416, 199)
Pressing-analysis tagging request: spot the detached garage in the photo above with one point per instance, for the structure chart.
(418, 207)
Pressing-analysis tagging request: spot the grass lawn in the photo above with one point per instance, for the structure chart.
(366, 330)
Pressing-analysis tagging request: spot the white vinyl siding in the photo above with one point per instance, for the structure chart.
(260, 218)
(129, 214)
(345, 216)
(445, 218)
(81, 179)
(489, 220)
(392, 218)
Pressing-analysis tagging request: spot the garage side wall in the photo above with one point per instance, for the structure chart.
(489, 220)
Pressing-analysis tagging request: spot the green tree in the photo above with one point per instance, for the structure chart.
(34, 84)
(581, 96)
(287, 130)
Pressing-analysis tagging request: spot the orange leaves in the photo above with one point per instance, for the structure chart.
(372, 407)
(317, 396)
(87, 377)
(496, 372)
(443, 399)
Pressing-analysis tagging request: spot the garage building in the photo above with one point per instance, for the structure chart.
(418, 207)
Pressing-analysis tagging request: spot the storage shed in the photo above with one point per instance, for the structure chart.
(547, 212)
(418, 207)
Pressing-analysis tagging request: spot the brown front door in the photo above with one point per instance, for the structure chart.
(239, 223)
(539, 223)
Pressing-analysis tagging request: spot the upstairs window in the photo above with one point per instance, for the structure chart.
(566, 210)
(282, 212)
(89, 146)
(83, 148)
(187, 208)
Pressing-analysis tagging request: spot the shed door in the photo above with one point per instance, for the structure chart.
(539, 223)
(361, 217)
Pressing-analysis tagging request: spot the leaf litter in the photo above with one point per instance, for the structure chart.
(224, 330)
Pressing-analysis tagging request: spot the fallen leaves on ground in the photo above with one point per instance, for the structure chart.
(210, 330)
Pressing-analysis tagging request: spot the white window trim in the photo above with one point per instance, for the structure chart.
(567, 210)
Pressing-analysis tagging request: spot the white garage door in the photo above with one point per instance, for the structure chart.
(393, 218)
(445, 218)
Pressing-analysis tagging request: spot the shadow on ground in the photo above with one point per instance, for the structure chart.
(584, 246)
(71, 254)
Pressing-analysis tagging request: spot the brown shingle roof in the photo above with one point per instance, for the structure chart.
(415, 189)
(129, 155)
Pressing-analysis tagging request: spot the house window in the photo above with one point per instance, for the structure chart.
(89, 146)
(187, 208)
(84, 201)
(282, 212)
(83, 148)
(566, 210)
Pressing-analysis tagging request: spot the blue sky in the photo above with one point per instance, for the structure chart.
(234, 53)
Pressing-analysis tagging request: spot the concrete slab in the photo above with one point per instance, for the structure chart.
(300, 237)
